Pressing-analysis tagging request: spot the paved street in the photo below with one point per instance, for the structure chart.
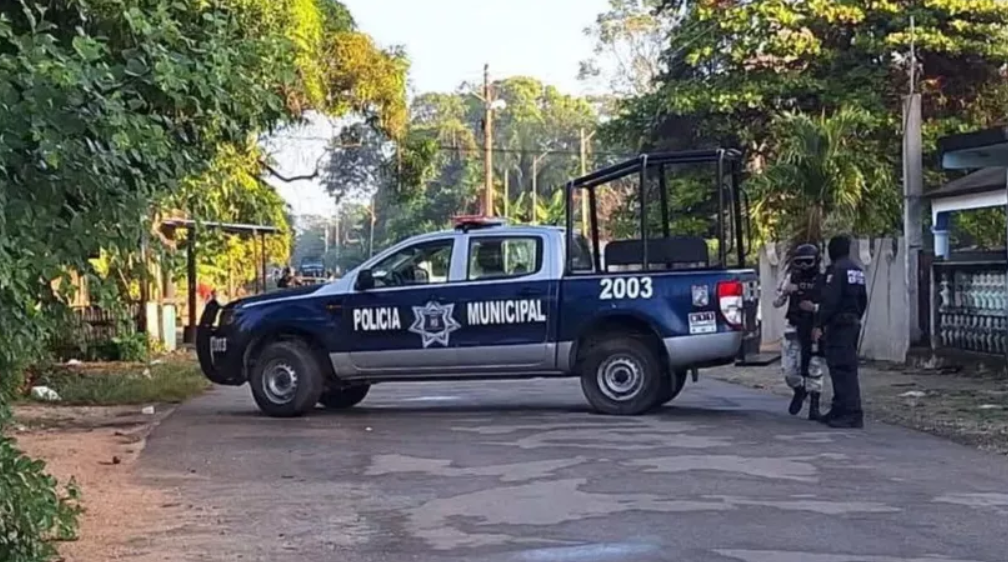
(520, 471)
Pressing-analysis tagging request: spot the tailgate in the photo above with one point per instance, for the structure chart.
(749, 353)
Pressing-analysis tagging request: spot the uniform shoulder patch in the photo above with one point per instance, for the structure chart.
(829, 278)
(855, 277)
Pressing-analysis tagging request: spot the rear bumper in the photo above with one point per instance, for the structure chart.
(703, 350)
(220, 354)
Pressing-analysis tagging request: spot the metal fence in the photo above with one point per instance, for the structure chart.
(972, 297)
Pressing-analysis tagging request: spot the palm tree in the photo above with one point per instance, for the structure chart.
(826, 174)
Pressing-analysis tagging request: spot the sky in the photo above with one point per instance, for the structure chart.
(448, 42)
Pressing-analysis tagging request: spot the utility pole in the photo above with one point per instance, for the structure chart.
(487, 144)
(913, 184)
(325, 238)
(371, 212)
(585, 139)
(507, 198)
(535, 186)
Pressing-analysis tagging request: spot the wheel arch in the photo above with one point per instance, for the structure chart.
(288, 333)
(622, 322)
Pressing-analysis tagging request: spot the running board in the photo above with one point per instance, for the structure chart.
(758, 360)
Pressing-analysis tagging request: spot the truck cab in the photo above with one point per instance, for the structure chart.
(487, 300)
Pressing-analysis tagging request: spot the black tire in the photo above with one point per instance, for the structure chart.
(343, 398)
(641, 371)
(287, 379)
(672, 386)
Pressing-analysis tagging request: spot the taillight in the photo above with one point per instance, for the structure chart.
(729, 295)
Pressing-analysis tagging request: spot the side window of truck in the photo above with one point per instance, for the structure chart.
(421, 264)
(502, 257)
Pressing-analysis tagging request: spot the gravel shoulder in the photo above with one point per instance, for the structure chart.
(969, 406)
(98, 448)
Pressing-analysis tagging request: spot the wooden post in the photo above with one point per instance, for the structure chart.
(262, 239)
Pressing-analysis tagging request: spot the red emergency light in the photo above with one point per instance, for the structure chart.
(473, 222)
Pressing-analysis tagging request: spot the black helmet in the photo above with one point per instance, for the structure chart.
(839, 247)
(805, 257)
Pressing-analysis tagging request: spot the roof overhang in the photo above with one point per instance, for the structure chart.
(980, 149)
(231, 228)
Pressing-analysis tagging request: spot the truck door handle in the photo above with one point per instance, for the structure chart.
(529, 292)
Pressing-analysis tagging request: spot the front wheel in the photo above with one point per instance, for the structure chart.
(622, 376)
(343, 398)
(287, 380)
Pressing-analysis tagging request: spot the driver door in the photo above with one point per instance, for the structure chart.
(400, 324)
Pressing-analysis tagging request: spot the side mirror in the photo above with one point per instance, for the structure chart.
(365, 280)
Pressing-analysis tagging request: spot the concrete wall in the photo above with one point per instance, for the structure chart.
(885, 334)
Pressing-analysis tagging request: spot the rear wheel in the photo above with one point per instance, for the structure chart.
(672, 386)
(287, 380)
(343, 398)
(622, 376)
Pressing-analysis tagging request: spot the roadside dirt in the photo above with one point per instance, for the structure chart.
(967, 406)
(98, 447)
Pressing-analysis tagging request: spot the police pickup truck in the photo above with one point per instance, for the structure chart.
(491, 301)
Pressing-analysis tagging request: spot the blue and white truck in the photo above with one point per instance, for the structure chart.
(489, 301)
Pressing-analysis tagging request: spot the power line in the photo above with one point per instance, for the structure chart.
(448, 147)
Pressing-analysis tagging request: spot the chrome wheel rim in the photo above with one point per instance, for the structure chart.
(280, 383)
(620, 378)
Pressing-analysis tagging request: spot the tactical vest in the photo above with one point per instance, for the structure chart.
(808, 290)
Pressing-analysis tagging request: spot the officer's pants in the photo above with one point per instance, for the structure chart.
(791, 362)
(841, 356)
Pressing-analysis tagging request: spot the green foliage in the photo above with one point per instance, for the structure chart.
(231, 191)
(107, 105)
(733, 67)
(171, 381)
(629, 39)
(825, 175)
(116, 110)
(34, 509)
(435, 170)
(980, 229)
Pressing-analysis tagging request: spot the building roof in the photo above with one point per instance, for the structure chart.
(981, 181)
(226, 227)
(978, 149)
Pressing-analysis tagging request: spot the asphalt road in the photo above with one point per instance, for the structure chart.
(521, 471)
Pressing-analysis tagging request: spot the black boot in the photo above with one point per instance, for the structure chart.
(813, 408)
(854, 420)
(796, 401)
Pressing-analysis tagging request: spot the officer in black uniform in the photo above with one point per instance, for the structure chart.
(838, 320)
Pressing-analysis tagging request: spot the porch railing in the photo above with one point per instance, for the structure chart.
(972, 299)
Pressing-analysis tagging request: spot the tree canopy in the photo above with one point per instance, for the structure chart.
(731, 68)
(435, 170)
(115, 112)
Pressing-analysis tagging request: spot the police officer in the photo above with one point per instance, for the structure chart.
(800, 358)
(838, 319)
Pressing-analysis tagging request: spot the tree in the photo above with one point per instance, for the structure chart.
(733, 66)
(117, 109)
(821, 175)
(232, 191)
(434, 171)
(630, 39)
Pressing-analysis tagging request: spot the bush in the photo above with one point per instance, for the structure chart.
(34, 510)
